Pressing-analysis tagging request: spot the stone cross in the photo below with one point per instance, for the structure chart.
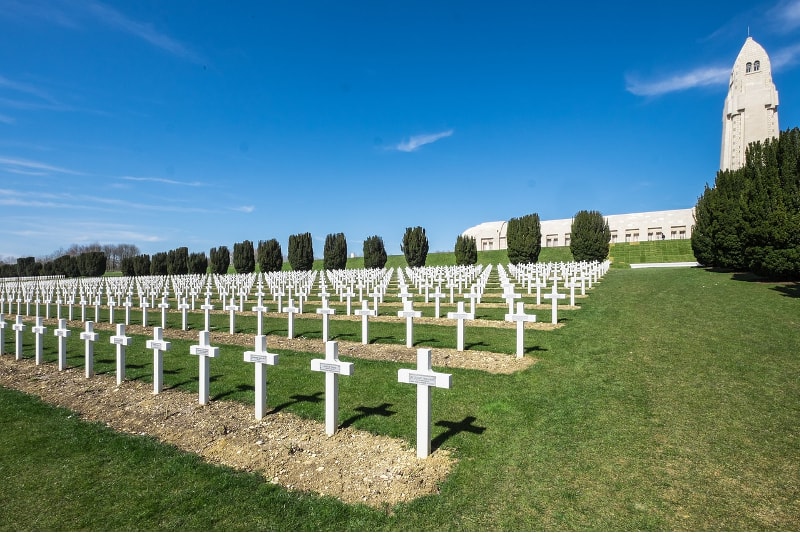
(279, 294)
(127, 304)
(325, 311)
(121, 341)
(184, 308)
(520, 318)
(143, 302)
(98, 300)
(571, 285)
(18, 328)
(539, 285)
(207, 307)
(425, 378)
(460, 315)
(111, 304)
(62, 334)
(349, 294)
(409, 313)
(376, 294)
(164, 307)
(364, 312)
(232, 308)
(204, 351)
(158, 346)
(332, 368)
(83, 307)
(473, 295)
(509, 295)
(554, 295)
(90, 336)
(260, 309)
(437, 296)
(290, 310)
(39, 330)
(59, 302)
(2, 335)
(261, 358)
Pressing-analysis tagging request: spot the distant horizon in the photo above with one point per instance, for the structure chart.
(202, 124)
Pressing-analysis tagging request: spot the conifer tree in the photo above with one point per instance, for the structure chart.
(466, 250)
(158, 264)
(219, 259)
(244, 258)
(178, 261)
(335, 252)
(270, 256)
(374, 253)
(524, 239)
(301, 252)
(415, 246)
(589, 236)
(198, 263)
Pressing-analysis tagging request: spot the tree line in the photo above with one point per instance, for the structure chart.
(590, 238)
(750, 219)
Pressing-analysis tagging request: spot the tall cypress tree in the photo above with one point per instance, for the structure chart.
(219, 259)
(524, 239)
(374, 253)
(244, 258)
(270, 256)
(301, 252)
(466, 250)
(415, 246)
(335, 252)
(589, 236)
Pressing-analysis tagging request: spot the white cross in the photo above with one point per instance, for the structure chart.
(111, 304)
(184, 308)
(90, 336)
(62, 334)
(404, 294)
(571, 285)
(121, 341)
(425, 378)
(279, 294)
(325, 311)
(520, 318)
(18, 328)
(260, 309)
(554, 295)
(2, 334)
(164, 307)
(365, 312)
(158, 345)
(290, 310)
(261, 358)
(375, 296)
(39, 330)
(332, 368)
(207, 307)
(539, 284)
(509, 295)
(205, 351)
(472, 296)
(143, 302)
(232, 308)
(460, 315)
(437, 296)
(409, 313)
(128, 305)
(349, 294)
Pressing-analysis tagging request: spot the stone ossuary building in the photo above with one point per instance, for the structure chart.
(750, 113)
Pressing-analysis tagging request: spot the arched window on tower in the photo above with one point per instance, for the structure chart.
(756, 65)
(748, 67)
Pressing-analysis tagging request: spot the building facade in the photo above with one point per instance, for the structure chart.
(625, 228)
(750, 112)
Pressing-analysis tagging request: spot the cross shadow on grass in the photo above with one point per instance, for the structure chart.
(368, 411)
(471, 346)
(535, 348)
(238, 389)
(788, 290)
(454, 428)
(314, 397)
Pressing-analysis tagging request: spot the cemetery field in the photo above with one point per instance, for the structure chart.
(670, 400)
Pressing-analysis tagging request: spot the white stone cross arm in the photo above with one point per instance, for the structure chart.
(260, 354)
(332, 368)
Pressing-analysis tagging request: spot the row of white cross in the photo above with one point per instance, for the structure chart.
(423, 376)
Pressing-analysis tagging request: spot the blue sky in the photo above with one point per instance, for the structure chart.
(200, 124)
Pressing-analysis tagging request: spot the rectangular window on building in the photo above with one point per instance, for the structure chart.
(566, 240)
(678, 232)
(613, 236)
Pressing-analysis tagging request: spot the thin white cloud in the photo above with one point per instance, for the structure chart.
(699, 77)
(160, 181)
(245, 209)
(785, 56)
(785, 16)
(416, 141)
(26, 88)
(23, 166)
(5, 119)
(144, 31)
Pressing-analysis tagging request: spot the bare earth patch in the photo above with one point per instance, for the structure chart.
(353, 465)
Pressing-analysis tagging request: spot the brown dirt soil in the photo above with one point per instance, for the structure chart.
(353, 465)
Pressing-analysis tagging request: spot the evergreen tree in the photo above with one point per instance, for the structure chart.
(301, 252)
(178, 261)
(466, 250)
(589, 236)
(374, 253)
(702, 237)
(335, 252)
(270, 256)
(524, 239)
(126, 266)
(198, 263)
(158, 264)
(415, 246)
(244, 257)
(219, 259)
(26, 266)
(141, 264)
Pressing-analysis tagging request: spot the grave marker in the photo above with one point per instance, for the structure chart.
(18, 328)
(365, 312)
(409, 313)
(261, 358)
(205, 352)
(290, 311)
(90, 336)
(158, 346)
(2, 334)
(425, 378)
(520, 318)
(332, 368)
(121, 341)
(460, 315)
(325, 311)
(554, 295)
(62, 334)
(39, 330)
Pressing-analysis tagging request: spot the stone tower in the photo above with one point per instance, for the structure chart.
(751, 108)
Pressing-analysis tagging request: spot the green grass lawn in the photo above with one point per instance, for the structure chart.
(669, 401)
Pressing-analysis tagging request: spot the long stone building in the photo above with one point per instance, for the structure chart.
(750, 112)
(626, 228)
